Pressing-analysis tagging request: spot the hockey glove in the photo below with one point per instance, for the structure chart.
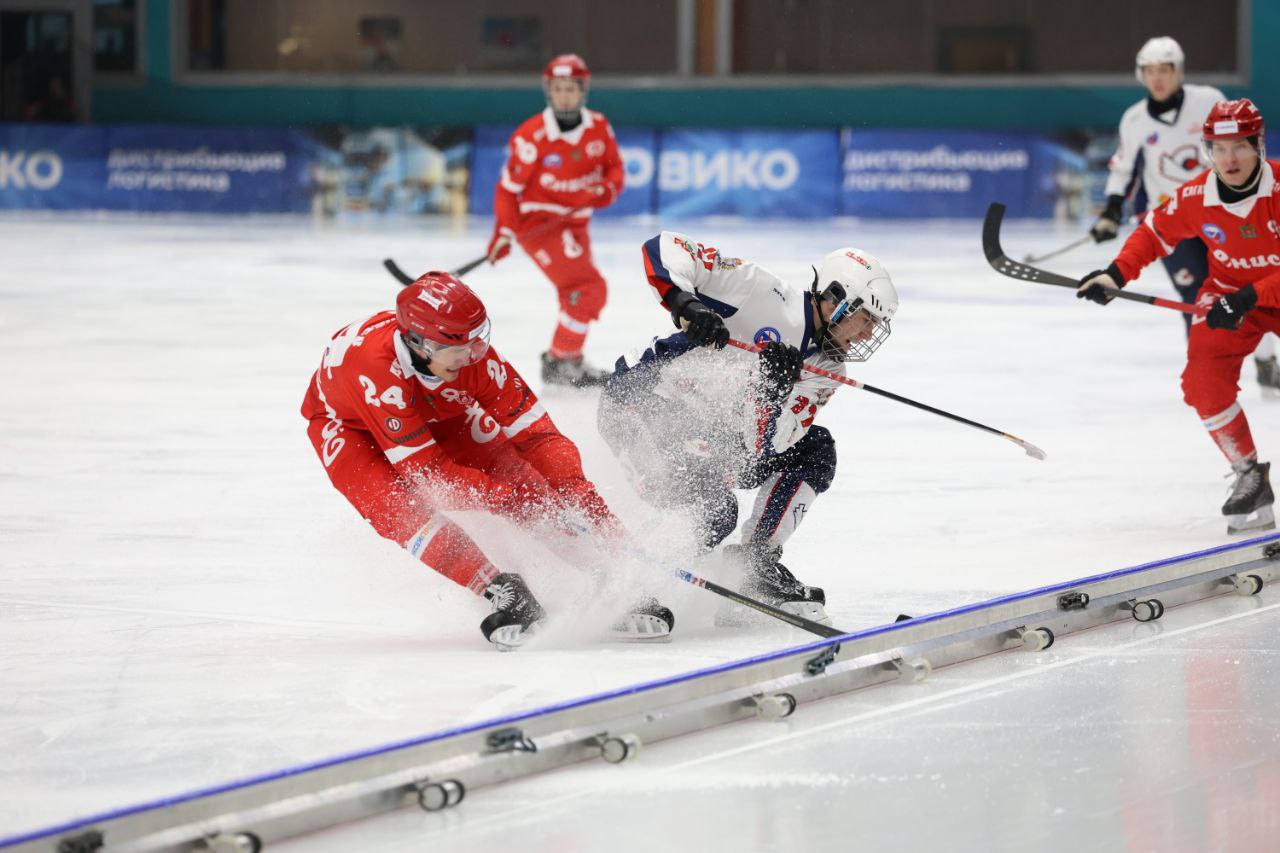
(1100, 286)
(603, 195)
(1229, 310)
(702, 326)
(780, 366)
(1108, 224)
(500, 244)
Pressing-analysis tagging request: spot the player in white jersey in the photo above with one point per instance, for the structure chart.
(692, 421)
(1159, 150)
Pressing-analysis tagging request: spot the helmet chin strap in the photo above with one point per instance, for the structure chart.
(825, 341)
(420, 364)
(1250, 185)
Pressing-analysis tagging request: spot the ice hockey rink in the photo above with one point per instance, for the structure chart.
(187, 602)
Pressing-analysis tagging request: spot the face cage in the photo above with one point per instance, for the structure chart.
(476, 348)
(857, 350)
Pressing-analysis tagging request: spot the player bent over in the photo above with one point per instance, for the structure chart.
(692, 421)
(412, 412)
(1233, 209)
(1157, 133)
(561, 165)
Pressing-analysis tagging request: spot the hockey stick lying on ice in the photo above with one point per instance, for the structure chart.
(724, 592)
(1004, 265)
(405, 279)
(759, 606)
(1032, 451)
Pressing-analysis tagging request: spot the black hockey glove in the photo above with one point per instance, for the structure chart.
(1099, 286)
(1108, 224)
(702, 326)
(780, 366)
(1228, 312)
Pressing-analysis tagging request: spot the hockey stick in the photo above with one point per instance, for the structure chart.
(1032, 451)
(405, 279)
(1004, 265)
(1035, 259)
(767, 609)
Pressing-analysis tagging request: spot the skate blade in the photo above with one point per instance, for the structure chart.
(640, 628)
(811, 610)
(508, 638)
(1262, 518)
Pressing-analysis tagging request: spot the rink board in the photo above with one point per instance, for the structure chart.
(312, 796)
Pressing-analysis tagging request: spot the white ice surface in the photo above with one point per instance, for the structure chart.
(184, 600)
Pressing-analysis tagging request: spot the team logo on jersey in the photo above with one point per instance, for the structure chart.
(394, 424)
(553, 161)
(1153, 138)
(1247, 231)
(595, 148)
(1214, 233)
(767, 335)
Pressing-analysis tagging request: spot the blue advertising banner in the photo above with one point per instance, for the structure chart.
(52, 167)
(150, 168)
(918, 173)
(637, 145)
(753, 173)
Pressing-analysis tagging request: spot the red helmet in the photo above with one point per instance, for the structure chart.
(1233, 120)
(567, 65)
(439, 311)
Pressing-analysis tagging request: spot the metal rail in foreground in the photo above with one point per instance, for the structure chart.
(437, 770)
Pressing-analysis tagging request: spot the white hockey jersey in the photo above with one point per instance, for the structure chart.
(715, 387)
(1170, 146)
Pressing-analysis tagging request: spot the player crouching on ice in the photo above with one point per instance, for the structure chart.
(691, 421)
(1233, 209)
(412, 412)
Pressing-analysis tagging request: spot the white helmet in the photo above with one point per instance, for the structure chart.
(1161, 50)
(853, 280)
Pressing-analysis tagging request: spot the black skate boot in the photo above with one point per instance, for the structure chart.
(573, 372)
(516, 613)
(646, 622)
(1249, 507)
(1268, 375)
(767, 580)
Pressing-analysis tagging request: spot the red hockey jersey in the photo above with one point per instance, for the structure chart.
(366, 382)
(1243, 237)
(551, 173)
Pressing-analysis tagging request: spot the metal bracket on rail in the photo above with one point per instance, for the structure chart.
(510, 740)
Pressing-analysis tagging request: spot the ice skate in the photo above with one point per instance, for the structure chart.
(1268, 376)
(572, 372)
(1250, 506)
(516, 613)
(766, 579)
(647, 622)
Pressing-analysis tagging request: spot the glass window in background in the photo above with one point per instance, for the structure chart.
(115, 36)
(428, 36)
(868, 37)
(35, 67)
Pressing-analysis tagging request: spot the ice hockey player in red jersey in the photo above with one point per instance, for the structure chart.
(412, 412)
(1157, 153)
(562, 164)
(1234, 208)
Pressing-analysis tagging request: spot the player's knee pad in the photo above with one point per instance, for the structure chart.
(1206, 393)
(816, 458)
(584, 300)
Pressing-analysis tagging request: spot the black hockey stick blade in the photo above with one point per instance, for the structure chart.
(398, 274)
(1005, 265)
(405, 279)
(1002, 264)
